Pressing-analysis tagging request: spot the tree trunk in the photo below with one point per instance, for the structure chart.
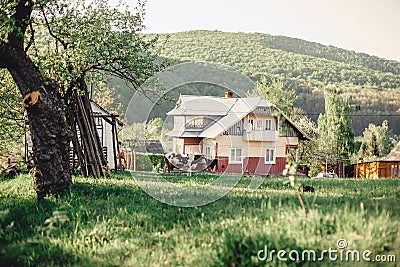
(47, 123)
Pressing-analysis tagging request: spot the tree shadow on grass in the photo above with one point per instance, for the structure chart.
(39, 251)
(23, 240)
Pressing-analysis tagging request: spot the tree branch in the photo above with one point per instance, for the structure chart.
(32, 37)
(22, 16)
(63, 43)
(10, 107)
(15, 120)
(301, 202)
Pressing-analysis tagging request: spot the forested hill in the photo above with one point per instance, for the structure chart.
(373, 82)
(299, 46)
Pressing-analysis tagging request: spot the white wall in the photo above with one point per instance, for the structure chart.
(107, 139)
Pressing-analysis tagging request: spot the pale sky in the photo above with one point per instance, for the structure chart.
(369, 26)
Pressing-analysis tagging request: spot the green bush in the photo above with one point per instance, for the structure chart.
(157, 161)
(149, 162)
(315, 168)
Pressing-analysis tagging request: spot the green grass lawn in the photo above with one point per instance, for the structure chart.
(112, 222)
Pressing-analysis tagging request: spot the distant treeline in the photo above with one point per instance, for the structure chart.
(372, 82)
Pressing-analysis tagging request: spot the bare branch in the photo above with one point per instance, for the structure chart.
(32, 36)
(21, 17)
(62, 42)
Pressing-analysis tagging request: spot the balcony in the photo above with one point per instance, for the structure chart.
(194, 127)
(258, 135)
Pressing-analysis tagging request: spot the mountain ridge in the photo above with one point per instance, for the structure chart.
(297, 39)
(373, 82)
(308, 67)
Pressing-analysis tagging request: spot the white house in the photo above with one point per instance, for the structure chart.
(244, 134)
(107, 124)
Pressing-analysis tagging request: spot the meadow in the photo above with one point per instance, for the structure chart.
(112, 222)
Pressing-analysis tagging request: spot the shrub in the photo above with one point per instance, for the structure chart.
(149, 162)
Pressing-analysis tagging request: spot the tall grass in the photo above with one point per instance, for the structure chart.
(112, 222)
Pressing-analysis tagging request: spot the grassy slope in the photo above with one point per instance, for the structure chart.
(112, 222)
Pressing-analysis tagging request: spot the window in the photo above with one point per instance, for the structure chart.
(236, 155)
(270, 155)
(194, 122)
(98, 119)
(236, 130)
(268, 125)
(207, 152)
(250, 124)
(259, 125)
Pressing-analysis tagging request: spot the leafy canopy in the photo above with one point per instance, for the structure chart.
(378, 139)
(336, 139)
(12, 125)
(277, 92)
(91, 40)
(72, 43)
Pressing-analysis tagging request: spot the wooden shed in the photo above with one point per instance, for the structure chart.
(141, 147)
(386, 168)
(377, 169)
(107, 128)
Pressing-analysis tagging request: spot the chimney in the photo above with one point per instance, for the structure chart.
(228, 94)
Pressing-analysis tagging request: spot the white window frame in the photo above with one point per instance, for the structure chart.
(235, 159)
(267, 153)
(193, 122)
(268, 122)
(208, 155)
(259, 124)
(250, 124)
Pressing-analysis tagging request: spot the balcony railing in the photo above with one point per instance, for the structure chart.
(259, 135)
(194, 127)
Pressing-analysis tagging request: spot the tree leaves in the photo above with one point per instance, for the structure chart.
(379, 138)
(277, 92)
(12, 125)
(336, 139)
(92, 37)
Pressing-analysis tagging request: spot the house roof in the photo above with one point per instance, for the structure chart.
(394, 155)
(241, 108)
(226, 112)
(300, 132)
(150, 146)
(105, 112)
(189, 105)
(99, 107)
